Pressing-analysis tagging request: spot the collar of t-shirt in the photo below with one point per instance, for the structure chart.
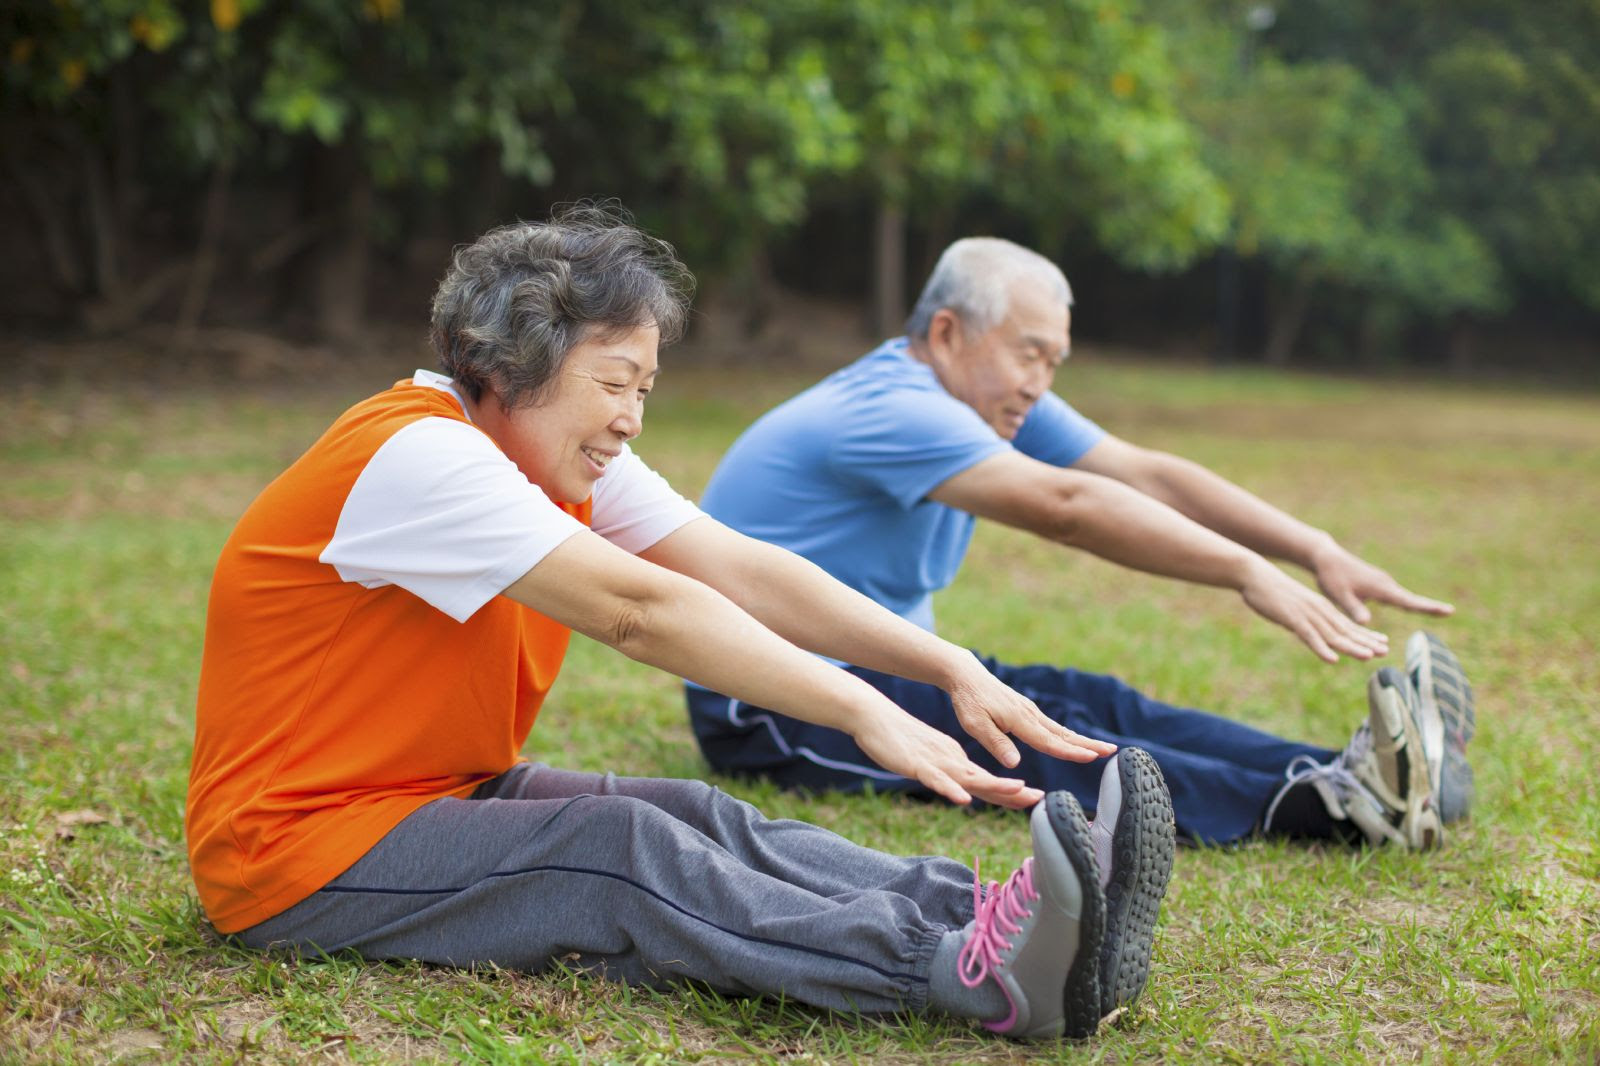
(430, 380)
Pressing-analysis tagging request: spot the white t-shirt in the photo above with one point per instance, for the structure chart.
(443, 513)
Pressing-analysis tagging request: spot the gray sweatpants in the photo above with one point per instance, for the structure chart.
(644, 880)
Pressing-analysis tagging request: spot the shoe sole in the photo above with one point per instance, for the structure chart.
(1080, 996)
(1142, 844)
(1419, 825)
(1445, 692)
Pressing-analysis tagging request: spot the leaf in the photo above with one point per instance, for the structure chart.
(225, 14)
(68, 821)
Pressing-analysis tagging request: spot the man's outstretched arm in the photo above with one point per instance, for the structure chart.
(801, 603)
(1119, 524)
(1241, 516)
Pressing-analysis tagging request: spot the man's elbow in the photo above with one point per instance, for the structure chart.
(1065, 513)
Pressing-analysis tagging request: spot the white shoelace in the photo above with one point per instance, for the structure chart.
(1304, 770)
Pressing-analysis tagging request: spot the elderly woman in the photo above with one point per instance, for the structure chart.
(389, 613)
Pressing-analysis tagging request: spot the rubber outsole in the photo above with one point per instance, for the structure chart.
(1080, 995)
(1438, 676)
(1143, 842)
(1443, 687)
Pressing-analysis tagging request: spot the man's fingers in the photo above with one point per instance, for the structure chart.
(1312, 639)
(1344, 634)
(1351, 605)
(1355, 645)
(1403, 597)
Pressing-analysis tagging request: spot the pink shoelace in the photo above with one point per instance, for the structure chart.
(998, 916)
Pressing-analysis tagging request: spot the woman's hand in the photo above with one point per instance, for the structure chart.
(993, 712)
(903, 745)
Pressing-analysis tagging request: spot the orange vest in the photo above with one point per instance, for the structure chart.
(327, 711)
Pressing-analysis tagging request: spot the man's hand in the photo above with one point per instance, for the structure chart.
(989, 709)
(1279, 598)
(909, 747)
(1349, 581)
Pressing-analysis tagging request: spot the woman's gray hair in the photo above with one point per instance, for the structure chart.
(518, 299)
(974, 278)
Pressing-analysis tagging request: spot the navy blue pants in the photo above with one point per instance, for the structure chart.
(1221, 774)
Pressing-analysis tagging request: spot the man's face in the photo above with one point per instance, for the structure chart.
(564, 442)
(1002, 372)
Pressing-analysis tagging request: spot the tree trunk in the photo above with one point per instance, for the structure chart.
(125, 192)
(328, 279)
(1463, 350)
(1289, 317)
(889, 270)
(341, 282)
(50, 223)
(939, 227)
(104, 224)
(212, 222)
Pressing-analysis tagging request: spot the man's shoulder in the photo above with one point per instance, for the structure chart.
(884, 387)
(888, 368)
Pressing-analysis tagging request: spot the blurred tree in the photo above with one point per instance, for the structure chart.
(1063, 112)
(1329, 184)
(381, 95)
(1420, 160)
(714, 120)
(731, 115)
(350, 96)
(74, 139)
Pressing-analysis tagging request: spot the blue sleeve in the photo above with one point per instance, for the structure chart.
(905, 443)
(1056, 433)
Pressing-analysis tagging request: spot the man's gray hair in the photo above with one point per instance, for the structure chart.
(518, 299)
(974, 278)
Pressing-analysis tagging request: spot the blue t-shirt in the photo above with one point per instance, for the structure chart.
(840, 474)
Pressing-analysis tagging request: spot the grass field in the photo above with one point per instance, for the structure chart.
(113, 504)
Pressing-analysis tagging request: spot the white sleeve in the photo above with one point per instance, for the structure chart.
(442, 513)
(634, 507)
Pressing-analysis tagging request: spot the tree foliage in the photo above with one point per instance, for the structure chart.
(1431, 158)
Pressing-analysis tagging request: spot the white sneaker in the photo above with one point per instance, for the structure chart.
(1381, 781)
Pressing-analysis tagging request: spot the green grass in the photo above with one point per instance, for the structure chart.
(114, 503)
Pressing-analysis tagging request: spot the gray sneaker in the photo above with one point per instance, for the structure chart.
(1380, 781)
(1405, 746)
(1038, 935)
(1133, 837)
(1446, 695)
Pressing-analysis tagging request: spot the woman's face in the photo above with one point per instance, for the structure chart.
(564, 442)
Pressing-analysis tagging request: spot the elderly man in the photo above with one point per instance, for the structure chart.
(878, 473)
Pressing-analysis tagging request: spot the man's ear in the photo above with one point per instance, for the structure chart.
(944, 333)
